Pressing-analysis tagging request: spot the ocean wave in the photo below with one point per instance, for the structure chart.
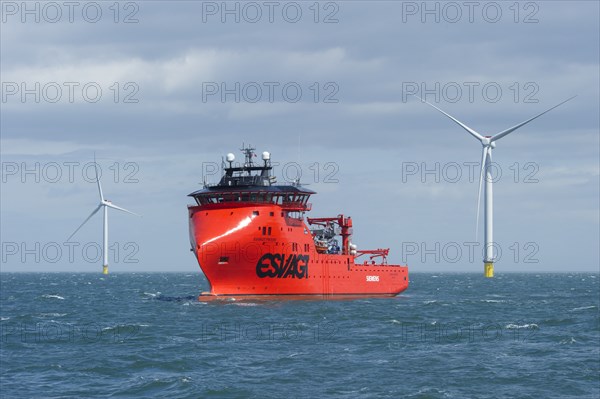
(50, 296)
(52, 314)
(124, 330)
(568, 341)
(493, 300)
(294, 354)
(583, 308)
(516, 326)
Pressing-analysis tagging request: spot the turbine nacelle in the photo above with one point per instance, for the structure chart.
(487, 142)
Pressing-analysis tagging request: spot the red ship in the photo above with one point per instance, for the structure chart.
(250, 238)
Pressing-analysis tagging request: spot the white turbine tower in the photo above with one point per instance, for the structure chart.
(488, 143)
(103, 204)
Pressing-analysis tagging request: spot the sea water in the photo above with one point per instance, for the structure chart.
(448, 336)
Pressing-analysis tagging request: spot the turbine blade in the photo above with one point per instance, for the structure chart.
(467, 128)
(483, 158)
(121, 209)
(97, 179)
(85, 221)
(503, 133)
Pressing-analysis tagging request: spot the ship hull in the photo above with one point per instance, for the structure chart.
(258, 250)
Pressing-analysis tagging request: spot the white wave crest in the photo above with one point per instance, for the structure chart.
(52, 296)
(516, 326)
(583, 308)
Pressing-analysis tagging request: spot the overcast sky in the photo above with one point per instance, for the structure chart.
(161, 90)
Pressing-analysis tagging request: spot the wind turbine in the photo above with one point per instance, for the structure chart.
(105, 204)
(488, 143)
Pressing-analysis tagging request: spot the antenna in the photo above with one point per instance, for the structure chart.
(298, 155)
(249, 154)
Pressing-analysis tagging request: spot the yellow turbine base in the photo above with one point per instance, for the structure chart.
(489, 269)
(105, 269)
